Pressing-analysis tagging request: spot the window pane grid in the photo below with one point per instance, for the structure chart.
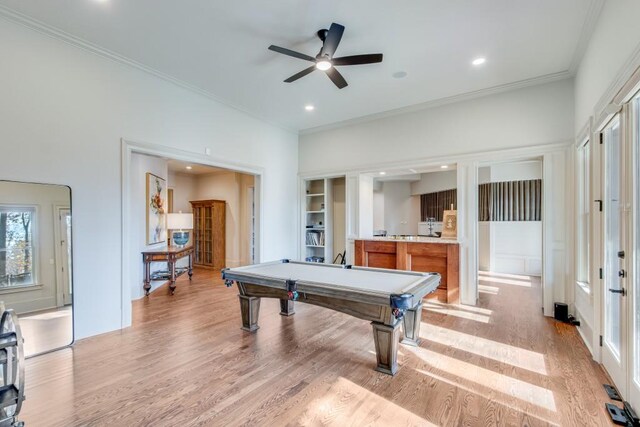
(16, 246)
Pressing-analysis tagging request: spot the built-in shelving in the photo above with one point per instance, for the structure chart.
(317, 221)
(323, 218)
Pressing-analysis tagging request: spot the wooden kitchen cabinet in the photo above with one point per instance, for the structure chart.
(441, 257)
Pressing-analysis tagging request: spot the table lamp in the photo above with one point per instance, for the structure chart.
(178, 223)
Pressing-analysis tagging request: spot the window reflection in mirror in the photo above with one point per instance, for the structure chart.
(36, 262)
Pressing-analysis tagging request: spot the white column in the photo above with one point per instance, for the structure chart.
(468, 231)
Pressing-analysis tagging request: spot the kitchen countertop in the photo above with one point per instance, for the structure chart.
(414, 239)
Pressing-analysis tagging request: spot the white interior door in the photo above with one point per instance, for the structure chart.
(614, 349)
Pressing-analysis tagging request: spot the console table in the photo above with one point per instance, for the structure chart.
(170, 255)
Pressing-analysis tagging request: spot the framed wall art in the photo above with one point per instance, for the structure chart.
(156, 209)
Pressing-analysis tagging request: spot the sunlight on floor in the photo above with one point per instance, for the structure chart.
(485, 289)
(346, 402)
(482, 393)
(503, 353)
(471, 308)
(506, 279)
(509, 386)
(46, 331)
(452, 311)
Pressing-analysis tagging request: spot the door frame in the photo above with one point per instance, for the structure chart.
(557, 167)
(633, 115)
(57, 235)
(128, 147)
(619, 373)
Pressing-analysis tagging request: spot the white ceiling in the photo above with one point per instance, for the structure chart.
(221, 47)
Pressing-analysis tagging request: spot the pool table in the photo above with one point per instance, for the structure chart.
(387, 298)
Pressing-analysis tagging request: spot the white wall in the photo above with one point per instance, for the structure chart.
(433, 182)
(615, 40)
(516, 171)
(378, 210)
(184, 191)
(513, 247)
(45, 198)
(397, 208)
(530, 116)
(63, 113)
(140, 165)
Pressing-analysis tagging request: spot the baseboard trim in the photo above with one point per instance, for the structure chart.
(586, 341)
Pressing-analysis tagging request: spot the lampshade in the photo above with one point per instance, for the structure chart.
(180, 221)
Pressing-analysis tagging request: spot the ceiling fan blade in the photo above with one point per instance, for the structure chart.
(358, 59)
(333, 39)
(336, 78)
(293, 53)
(300, 74)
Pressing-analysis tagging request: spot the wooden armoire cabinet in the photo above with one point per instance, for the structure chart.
(209, 233)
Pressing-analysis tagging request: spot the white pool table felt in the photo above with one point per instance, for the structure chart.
(348, 278)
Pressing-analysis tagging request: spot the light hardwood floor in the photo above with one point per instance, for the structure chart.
(185, 362)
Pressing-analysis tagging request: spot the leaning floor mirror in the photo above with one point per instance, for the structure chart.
(36, 262)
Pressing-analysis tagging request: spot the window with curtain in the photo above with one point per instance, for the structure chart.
(510, 201)
(432, 205)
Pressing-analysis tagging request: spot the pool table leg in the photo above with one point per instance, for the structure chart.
(286, 307)
(411, 321)
(386, 338)
(250, 310)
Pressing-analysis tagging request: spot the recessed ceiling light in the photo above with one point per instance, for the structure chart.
(323, 65)
(188, 167)
(383, 173)
(479, 61)
(309, 107)
(399, 74)
(444, 167)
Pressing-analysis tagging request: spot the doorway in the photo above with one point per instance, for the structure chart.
(509, 219)
(153, 161)
(620, 249)
(614, 350)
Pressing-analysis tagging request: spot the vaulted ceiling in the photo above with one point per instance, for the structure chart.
(220, 47)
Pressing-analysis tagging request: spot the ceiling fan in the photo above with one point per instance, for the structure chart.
(324, 60)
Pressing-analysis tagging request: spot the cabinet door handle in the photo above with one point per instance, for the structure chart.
(618, 291)
(622, 274)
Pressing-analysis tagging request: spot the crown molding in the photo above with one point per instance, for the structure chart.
(548, 78)
(55, 33)
(621, 87)
(588, 27)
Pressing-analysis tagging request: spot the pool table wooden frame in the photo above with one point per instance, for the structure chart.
(374, 306)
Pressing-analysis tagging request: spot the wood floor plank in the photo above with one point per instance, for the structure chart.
(186, 362)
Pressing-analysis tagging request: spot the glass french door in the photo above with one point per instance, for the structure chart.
(634, 303)
(614, 349)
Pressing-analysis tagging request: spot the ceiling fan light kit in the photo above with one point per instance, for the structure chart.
(324, 60)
